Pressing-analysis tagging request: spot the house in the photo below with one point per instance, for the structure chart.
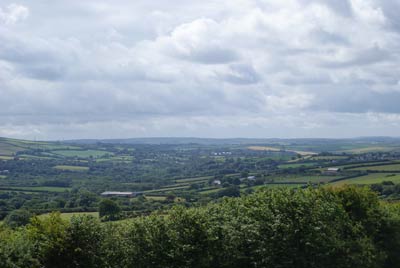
(120, 194)
(216, 182)
(331, 171)
(251, 178)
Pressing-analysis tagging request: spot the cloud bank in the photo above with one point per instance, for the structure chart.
(239, 68)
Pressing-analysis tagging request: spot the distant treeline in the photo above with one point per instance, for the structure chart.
(323, 227)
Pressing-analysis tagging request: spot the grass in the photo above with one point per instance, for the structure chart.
(274, 149)
(270, 186)
(351, 165)
(371, 149)
(371, 179)
(197, 179)
(68, 216)
(71, 168)
(328, 157)
(81, 153)
(3, 176)
(303, 178)
(9, 149)
(4, 157)
(264, 148)
(297, 165)
(156, 197)
(39, 189)
(394, 167)
(166, 189)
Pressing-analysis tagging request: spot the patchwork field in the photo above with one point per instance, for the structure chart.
(302, 178)
(394, 167)
(371, 179)
(275, 149)
(194, 180)
(81, 153)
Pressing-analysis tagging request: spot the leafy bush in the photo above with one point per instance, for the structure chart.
(313, 228)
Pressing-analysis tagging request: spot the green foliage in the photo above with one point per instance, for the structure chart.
(109, 209)
(18, 218)
(285, 228)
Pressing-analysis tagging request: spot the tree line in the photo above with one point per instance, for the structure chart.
(322, 227)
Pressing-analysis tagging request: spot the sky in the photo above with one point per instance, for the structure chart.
(219, 69)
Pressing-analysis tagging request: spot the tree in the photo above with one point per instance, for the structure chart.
(109, 209)
(18, 218)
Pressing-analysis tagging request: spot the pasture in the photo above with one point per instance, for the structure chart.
(394, 167)
(297, 165)
(71, 168)
(38, 189)
(302, 178)
(69, 215)
(371, 179)
(81, 153)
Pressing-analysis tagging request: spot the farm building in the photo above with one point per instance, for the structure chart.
(216, 182)
(121, 194)
(251, 178)
(331, 171)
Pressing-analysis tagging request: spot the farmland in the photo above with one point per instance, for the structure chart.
(71, 168)
(70, 176)
(371, 179)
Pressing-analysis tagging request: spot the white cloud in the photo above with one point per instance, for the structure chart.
(13, 13)
(214, 68)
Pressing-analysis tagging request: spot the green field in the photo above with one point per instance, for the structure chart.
(39, 189)
(297, 165)
(3, 177)
(71, 168)
(193, 180)
(269, 186)
(328, 157)
(302, 178)
(156, 197)
(81, 153)
(371, 179)
(4, 157)
(68, 216)
(394, 167)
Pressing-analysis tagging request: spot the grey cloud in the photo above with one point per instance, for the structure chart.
(360, 57)
(213, 55)
(241, 74)
(211, 67)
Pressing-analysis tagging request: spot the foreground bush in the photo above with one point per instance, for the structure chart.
(345, 227)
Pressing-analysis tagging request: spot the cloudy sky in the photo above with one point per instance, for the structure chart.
(237, 68)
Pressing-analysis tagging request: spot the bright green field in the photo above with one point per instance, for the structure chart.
(395, 167)
(156, 197)
(166, 189)
(197, 179)
(68, 216)
(371, 179)
(83, 153)
(269, 186)
(41, 188)
(72, 168)
(372, 149)
(328, 157)
(3, 157)
(303, 178)
(297, 165)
